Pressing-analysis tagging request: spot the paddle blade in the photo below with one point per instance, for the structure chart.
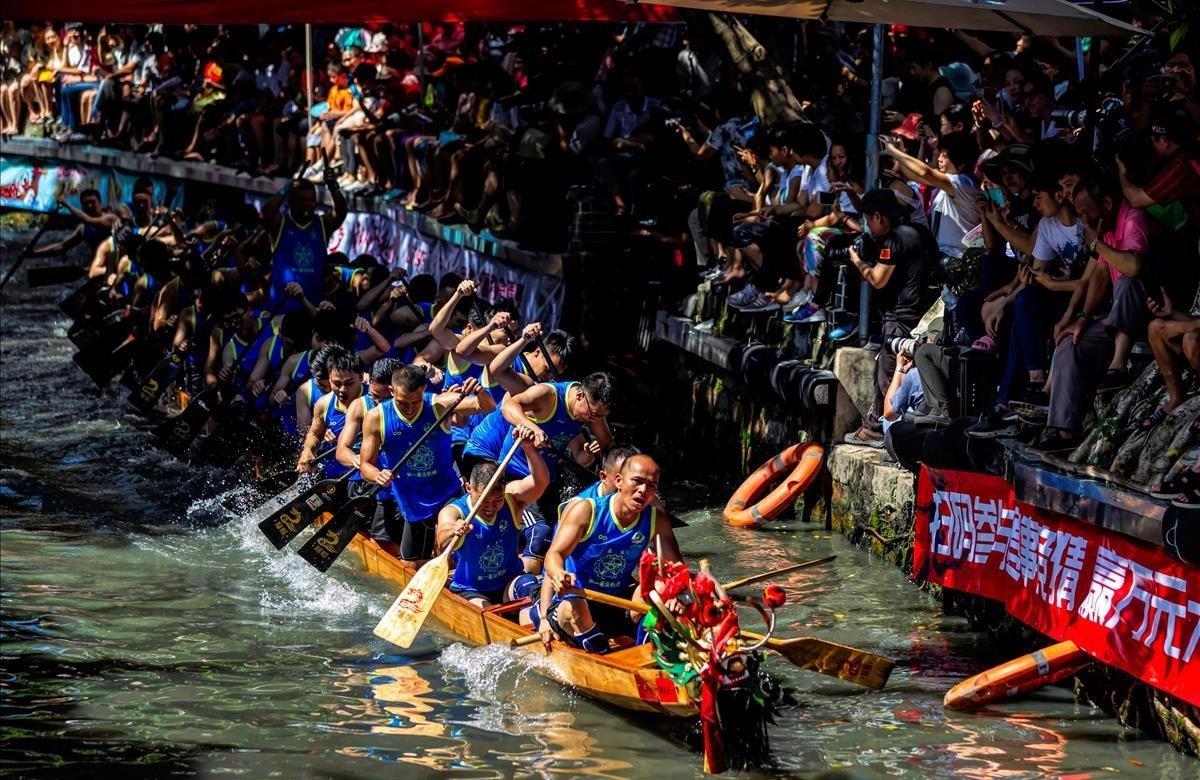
(286, 522)
(403, 620)
(330, 539)
(278, 482)
(177, 433)
(829, 658)
(53, 274)
(147, 394)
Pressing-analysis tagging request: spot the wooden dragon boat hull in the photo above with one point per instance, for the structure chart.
(628, 678)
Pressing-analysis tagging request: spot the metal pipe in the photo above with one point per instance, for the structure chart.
(308, 69)
(864, 290)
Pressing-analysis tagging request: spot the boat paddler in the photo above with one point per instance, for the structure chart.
(598, 544)
(423, 484)
(488, 552)
(344, 371)
(349, 442)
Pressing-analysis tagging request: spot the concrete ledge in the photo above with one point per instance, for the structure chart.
(265, 186)
(681, 333)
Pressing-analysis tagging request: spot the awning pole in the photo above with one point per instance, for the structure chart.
(864, 290)
(1079, 68)
(421, 59)
(308, 69)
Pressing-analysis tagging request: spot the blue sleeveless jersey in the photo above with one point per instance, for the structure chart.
(493, 435)
(428, 479)
(458, 371)
(607, 556)
(299, 256)
(591, 491)
(489, 556)
(335, 421)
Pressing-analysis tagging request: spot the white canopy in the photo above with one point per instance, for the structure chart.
(1039, 17)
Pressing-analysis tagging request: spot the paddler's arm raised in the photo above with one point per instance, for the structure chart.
(379, 343)
(345, 453)
(316, 432)
(571, 527)
(369, 456)
(335, 219)
(500, 369)
(439, 326)
(533, 401)
(304, 407)
(475, 399)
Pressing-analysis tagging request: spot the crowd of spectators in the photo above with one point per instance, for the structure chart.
(1053, 219)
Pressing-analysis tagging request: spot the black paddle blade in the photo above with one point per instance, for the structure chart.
(283, 525)
(277, 483)
(146, 395)
(177, 433)
(103, 364)
(330, 539)
(53, 274)
(74, 304)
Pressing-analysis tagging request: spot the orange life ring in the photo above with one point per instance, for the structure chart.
(1018, 676)
(805, 462)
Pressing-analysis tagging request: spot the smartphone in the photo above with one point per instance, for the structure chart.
(995, 195)
(827, 198)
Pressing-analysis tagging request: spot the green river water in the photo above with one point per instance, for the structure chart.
(149, 631)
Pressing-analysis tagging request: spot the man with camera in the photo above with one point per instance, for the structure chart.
(893, 257)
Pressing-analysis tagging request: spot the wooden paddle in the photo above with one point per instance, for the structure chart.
(775, 573)
(323, 548)
(554, 372)
(403, 620)
(808, 653)
(29, 247)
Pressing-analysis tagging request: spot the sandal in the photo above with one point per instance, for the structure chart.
(984, 344)
(1153, 420)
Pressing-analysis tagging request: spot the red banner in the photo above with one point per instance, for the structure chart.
(1124, 603)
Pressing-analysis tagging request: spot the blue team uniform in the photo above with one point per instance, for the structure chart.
(335, 421)
(488, 556)
(607, 556)
(299, 252)
(590, 492)
(489, 439)
(427, 481)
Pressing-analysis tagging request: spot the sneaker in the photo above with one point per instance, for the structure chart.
(802, 298)
(759, 303)
(1189, 499)
(845, 328)
(705, 327)
(314, 170)
(804, 315)
(993, 425)
(394, 194)
(864, 437)
(745, 295)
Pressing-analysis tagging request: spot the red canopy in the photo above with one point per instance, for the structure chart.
(343, 11)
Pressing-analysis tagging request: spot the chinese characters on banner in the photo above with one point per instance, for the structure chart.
(539, 297)
(1124, 603)
(35, 185)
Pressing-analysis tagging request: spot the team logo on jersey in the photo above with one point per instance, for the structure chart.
(610, 566)
(637, 538)
(303, 257)
(491, 562)
(422, 459)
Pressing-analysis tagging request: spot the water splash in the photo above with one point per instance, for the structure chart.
(501, 681)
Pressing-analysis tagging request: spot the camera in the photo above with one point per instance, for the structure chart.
(864, 244)
(1112, 126)
(904, 346)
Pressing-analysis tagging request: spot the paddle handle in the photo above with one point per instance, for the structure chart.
(608, 599)
(508, 456)
(776, 573)
(541, 344)
(524, 641)
(29, 247)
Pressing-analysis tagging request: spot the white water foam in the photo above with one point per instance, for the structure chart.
(501, 681)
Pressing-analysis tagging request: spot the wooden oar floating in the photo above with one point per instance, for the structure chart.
(407, 614)
(808, 653)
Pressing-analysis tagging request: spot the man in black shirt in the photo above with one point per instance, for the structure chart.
(898, 276)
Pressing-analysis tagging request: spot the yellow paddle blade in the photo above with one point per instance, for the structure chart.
(829, 658)
(404, 618)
